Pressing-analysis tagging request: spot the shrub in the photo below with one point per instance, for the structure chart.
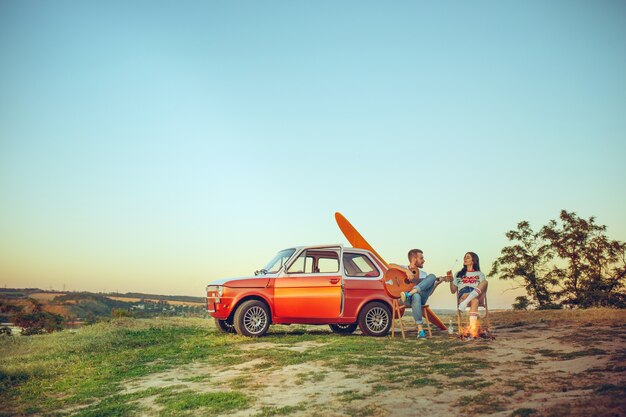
(118, 313)
(521, 303)
(551, 306)
(38, 322)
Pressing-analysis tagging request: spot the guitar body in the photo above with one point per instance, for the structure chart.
(396, 282)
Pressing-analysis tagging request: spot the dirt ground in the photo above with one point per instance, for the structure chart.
(535, 369)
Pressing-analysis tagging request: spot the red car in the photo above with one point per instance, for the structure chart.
(330, 284)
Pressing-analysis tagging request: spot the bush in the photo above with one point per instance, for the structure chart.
(521, 303)
(38, 322)
(30, 331)
(551, 306)
(118, 313)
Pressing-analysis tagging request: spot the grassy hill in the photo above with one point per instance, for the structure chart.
(549, 363)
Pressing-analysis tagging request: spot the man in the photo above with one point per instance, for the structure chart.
(425, 285)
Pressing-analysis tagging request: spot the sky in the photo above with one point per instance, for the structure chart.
(155, 146)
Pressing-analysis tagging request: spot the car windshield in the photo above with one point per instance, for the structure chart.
(277, 262)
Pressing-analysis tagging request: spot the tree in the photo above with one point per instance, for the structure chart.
(7, 307)
(37, 306)
(38, 321)
(525, 262)
(594, 266)
(521, 303)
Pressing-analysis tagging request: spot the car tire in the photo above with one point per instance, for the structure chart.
(343, 328)
(225, 326)
(252, 318)
(375, 319)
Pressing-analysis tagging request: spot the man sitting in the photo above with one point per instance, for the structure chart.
(425, 285)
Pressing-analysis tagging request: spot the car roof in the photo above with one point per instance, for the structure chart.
(332, 245)
(336, 245)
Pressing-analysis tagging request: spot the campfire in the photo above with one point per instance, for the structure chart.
(475, 331)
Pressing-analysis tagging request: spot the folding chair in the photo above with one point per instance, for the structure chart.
(398, 313)
(425, 310)
(482, 302)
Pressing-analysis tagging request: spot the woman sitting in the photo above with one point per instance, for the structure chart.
(471, 285)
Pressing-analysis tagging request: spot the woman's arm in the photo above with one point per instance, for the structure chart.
(453, 286)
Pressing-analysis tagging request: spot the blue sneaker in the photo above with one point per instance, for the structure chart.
(404, 296)
(421, 334)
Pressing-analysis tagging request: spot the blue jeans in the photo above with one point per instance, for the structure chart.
(418, 300)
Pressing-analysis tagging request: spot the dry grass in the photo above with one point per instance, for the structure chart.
(536, 366)
(129, 299)
(45, 296)
(578, 316)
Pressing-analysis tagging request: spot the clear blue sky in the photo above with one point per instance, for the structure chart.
(153, 146)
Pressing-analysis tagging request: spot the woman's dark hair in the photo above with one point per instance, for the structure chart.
(476, 265)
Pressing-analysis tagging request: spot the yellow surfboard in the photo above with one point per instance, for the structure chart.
(359, 242)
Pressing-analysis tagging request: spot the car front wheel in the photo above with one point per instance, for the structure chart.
(252, 318)
(225, 326)
(343, 328)
(375, 319)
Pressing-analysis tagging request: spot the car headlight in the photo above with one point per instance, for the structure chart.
(217, 289)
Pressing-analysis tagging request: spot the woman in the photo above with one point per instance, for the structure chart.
(471, 284)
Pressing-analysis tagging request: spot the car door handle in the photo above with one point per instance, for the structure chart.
(333, 280)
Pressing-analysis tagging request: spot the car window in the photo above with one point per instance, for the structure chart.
(327, 265)
(277, 262)
(359, 265)
(314, 261)
(302, 265)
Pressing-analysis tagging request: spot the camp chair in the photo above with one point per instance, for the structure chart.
(482, 302)
(425, 309)
(398, 313)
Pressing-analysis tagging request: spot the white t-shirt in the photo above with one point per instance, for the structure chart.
(470, 279)
(423, 274)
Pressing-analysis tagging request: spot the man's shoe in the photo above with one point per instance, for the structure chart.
(403, 296)
(421, 334)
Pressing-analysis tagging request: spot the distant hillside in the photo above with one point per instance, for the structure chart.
(28, 292)
(183, 298)
(84, 304)
(87, 305)
(14, 293)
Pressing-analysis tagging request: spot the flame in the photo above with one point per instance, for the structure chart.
(475, 331)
